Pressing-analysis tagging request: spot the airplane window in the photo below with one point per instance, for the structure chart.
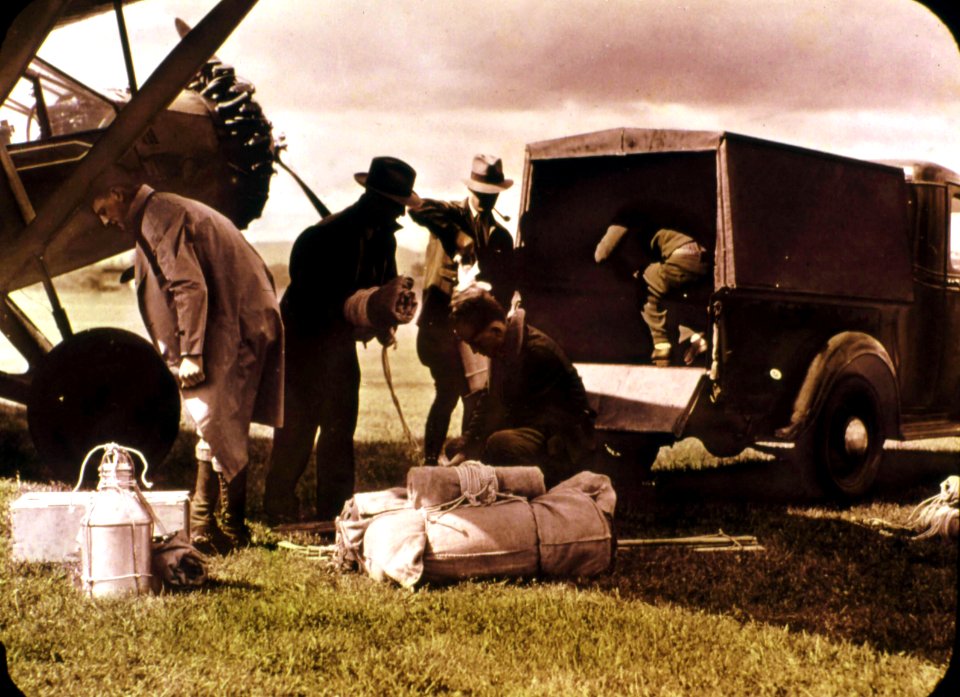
(955, 234)
(47, 102)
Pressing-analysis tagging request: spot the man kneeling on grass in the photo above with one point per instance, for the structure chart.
(535, 409)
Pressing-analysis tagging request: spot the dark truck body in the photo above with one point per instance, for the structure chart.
(833, 312)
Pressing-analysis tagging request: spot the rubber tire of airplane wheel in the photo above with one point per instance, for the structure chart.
(101, 385)
(844, 445)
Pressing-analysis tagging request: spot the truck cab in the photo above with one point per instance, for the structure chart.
(832, 316)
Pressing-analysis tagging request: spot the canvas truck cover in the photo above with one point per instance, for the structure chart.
(796, 220)
(778, 218)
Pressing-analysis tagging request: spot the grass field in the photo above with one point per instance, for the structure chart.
(839, 602)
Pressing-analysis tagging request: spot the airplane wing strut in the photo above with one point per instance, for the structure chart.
(156, 93)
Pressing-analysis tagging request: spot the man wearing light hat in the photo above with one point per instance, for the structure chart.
(343, 288)
(462, 232)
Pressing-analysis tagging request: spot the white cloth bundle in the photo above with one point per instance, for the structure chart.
(566, 532)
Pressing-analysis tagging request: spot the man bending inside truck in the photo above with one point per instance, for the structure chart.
(535, 409)
(682, 263)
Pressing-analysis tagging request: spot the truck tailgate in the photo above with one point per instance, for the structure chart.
(639, 398)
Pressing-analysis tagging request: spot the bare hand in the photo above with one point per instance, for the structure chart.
(455, 460)
(191, 371)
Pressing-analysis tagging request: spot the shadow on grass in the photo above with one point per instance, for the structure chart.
(216, 585)
(905, 476)
(817, 573)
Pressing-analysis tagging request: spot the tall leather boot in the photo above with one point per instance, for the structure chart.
(233, 509)
(204, 531)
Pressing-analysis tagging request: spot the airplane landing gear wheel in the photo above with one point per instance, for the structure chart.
(98, 386)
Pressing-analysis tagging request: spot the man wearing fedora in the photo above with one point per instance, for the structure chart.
(461, 232)
(343, 288)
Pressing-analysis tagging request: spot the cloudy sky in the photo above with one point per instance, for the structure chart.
(435, 81)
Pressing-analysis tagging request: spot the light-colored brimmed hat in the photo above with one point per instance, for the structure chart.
(392, 178)
(486, 175)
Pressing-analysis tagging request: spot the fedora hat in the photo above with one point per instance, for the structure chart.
(392, 178)
(486, 175)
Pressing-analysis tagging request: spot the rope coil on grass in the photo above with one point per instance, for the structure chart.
(937, 516)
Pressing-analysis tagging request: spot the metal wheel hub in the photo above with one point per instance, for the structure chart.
(856, 438)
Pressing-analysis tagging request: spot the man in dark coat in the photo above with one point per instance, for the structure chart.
(535, 409)
(343, 288)
(462, 233)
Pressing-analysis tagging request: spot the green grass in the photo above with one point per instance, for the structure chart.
(669, 622)
(840, 602)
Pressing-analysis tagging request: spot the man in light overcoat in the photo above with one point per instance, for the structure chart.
(209, 304)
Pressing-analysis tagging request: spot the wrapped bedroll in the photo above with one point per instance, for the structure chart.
(566, 532)
(358, 513)
(434, 486)
(573, 524)
(481, 542)
(394, 545)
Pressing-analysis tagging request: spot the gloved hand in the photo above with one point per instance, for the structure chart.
(383, 307)
(609, 242)
(387, 337)
(392, 303)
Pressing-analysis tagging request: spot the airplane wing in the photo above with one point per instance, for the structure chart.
(77, 10)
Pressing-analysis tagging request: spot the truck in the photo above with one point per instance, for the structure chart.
(831, 318)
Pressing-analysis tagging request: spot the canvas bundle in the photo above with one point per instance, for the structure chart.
(565, 532)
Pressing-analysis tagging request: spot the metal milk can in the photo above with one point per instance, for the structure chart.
(116, 532)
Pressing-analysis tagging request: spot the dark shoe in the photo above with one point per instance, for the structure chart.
(329, 510)
(661, 356)
(210, 541)
(275, 518)
(233, 507)
(281, 510)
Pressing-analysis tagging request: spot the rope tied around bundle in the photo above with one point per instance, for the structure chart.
(478, 487)
(478, 483)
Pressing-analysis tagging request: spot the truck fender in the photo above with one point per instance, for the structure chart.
(845, 352)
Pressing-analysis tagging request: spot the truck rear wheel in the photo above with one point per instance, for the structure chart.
(844, 445)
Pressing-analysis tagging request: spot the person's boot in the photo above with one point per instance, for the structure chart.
(204, 532)
(233, 509)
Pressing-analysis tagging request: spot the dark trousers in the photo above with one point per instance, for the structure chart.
(437, 349)
(526, 445)
(321, 391)
(515, 446)
(664, 279)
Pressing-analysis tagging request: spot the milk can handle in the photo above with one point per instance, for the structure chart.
(143, 478)
(106, 446)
